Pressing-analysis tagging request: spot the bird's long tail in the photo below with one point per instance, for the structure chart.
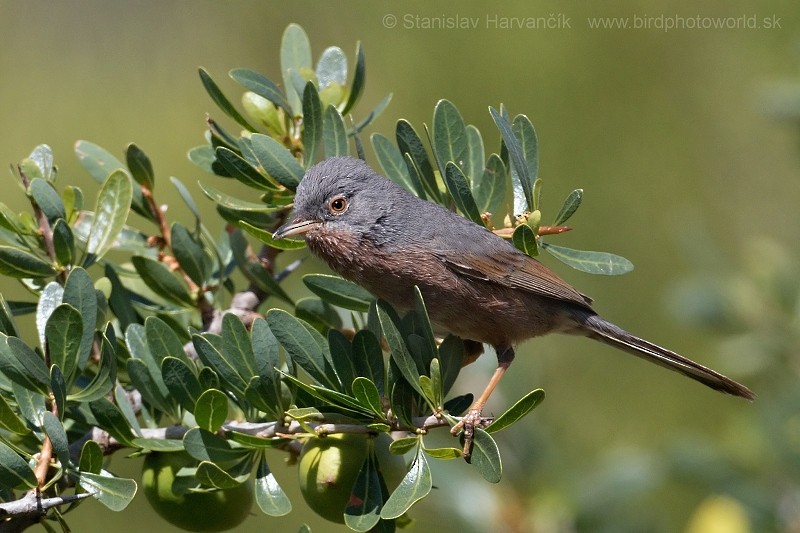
(595, 327)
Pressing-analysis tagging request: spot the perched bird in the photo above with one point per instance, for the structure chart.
(475, 284)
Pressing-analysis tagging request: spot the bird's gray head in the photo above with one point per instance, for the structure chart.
(343, 194)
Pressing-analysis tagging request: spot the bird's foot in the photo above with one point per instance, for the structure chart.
(471, 420)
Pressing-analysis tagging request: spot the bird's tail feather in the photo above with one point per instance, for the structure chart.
(599, 329)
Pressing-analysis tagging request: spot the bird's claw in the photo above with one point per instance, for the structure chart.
(471, 420)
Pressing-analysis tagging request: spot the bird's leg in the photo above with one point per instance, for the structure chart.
(473, 417)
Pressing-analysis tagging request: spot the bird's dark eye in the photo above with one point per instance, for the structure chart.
(337, 205)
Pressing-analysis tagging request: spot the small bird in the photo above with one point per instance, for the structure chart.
(475, 284)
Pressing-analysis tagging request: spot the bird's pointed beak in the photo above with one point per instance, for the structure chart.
(295, 227)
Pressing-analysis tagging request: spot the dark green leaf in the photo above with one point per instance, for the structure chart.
(206, 446)
(277, 160)
(516, 156)
(186, 196)
(329, 396)
(449, 135)
(58, 436)
(97, 161)
(295, 57)
(47, 199)
(153, 390)
(318, 313)
(91, 457)
(375, 113)
(58, 388)
(22, 365)
(451, 360)
(243, 171)
(222, 101)
(591, 262)
(63, 242)
(490, 189)
(212, 357)
(140, 166)
(63, 332)
(458, 405)
(158, 277)
(18, 263)
(14, 470)
(529, 144)
(341, 353)
(474, 165)
(444, 453)
(368, 358)
(458, 187)
(211, 410)
(269, 495)
(240, 205)
(110, 214)
(203, 156)
(416, 485)
(7, 323)
(525, 240)
(181, 382)
(211, 475)
(261, 85)
(404, 445)
(30, 404)
(571, 204)
(113, 492)
(367, 394)
(79, 292)
(312, 123)
(190, 254)
(409, 143)
(9, 419)
(366, 499)
(265, 348)
(334, 135)
(486, 457)
(405, 363)
(301, 346)
(252, 268)
(236, 346)
(339, 291)
(162, 341)
(159, 445)
(359, 80)
(392, 161)
(105, 378)
(111, 419)
(524, 406)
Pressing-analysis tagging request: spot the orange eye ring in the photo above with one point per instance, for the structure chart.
(337, 205)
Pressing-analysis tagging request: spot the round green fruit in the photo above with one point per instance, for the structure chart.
(216, 510)
(328, 468)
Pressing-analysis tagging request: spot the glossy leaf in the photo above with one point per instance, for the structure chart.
(58, 389)
(14, 470)
(475, 163)
(63, 243)
(111, 419)
(277, 160)
(449, 135)
(301, 346)
(79, 292)
(366, 499)
(91, 459)
(158, 277)
(591, 262)
(17, 263)
(490, 189)
(113, 492)
(140, 166)
(571, 204)
(367, 394)
(391, 161)
(29, 403)
(444, 453)
(190, 254)
(334, 135)
(359, 80)
(516, 156)
(211, 356)
(525, 240)
(243, 171)
(415, 485)
(222, 101)
(339, 291)
(405, 362)
(211, 475)
(58, 436)
(261, 85)
(162, 341)
(295, 56)
(331, 67)
(269, 495)
(312, 124)
(211, 410)
(368, 358)
(181, 382)
(47, 199)
(486, 457)
(103, 381)
(459, 189)
(42, 158)
(252, 267)
(63, 332)
(329, 396)
(410, 143)
(110, 214)
(529, 144)
(96, 160)
(341, 359)
(524, 406)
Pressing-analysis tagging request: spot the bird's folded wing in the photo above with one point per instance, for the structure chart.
(517, 271)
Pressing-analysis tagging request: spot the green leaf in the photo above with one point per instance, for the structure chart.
(341, 352)
(339, 291)
(47, 199)
(295, 56)
(571, 204)
(334, 135)
(159, 445)
(525, 240)
(10, 420)
(329, 396)
(186, 196)
(190, 254)
(236, 346)
(140, 166)
(319, 314)
(58, 389)
(524, 406)
(474, 165)
(113, 492)
(206, 446)
(110, 214)
(22, 365)
(403, 445)
(91, 457)
(359, 80)
(458, 187)
(277, 160)
(269, 495)
(158, 277)
(302, 347)
(332, 67)
(104, 379)
(490, 189)
(444, 453)
(449, 135)
(97, 161)
(262, 86)
(591, 262)
(375, 113)
(14, 470)
(7, 323)
(252, 268)
(405, 362)
(243, 171)
(368, 358)
(211, 410)
(111, 419)
(416, 485)
(366, 499)
(211, 475)
(266, 237)
(410, 143)
(42, 158)
(63, 242)
(524, 180)
(486, 457)
(451, 360)
(162, 341)
(153, 390)
(222, 101)
(181, 382)
(18, 263)
(529, 144)
(240, 205)
(312, 123)
(30, 404)
(367, 394)
(79, 292)
(63, 332)
(58, 436)
(211, 356)
(392, 161)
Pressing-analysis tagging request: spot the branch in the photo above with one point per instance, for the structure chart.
(30, 509)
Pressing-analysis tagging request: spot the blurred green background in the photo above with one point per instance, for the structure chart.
(688, 170)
